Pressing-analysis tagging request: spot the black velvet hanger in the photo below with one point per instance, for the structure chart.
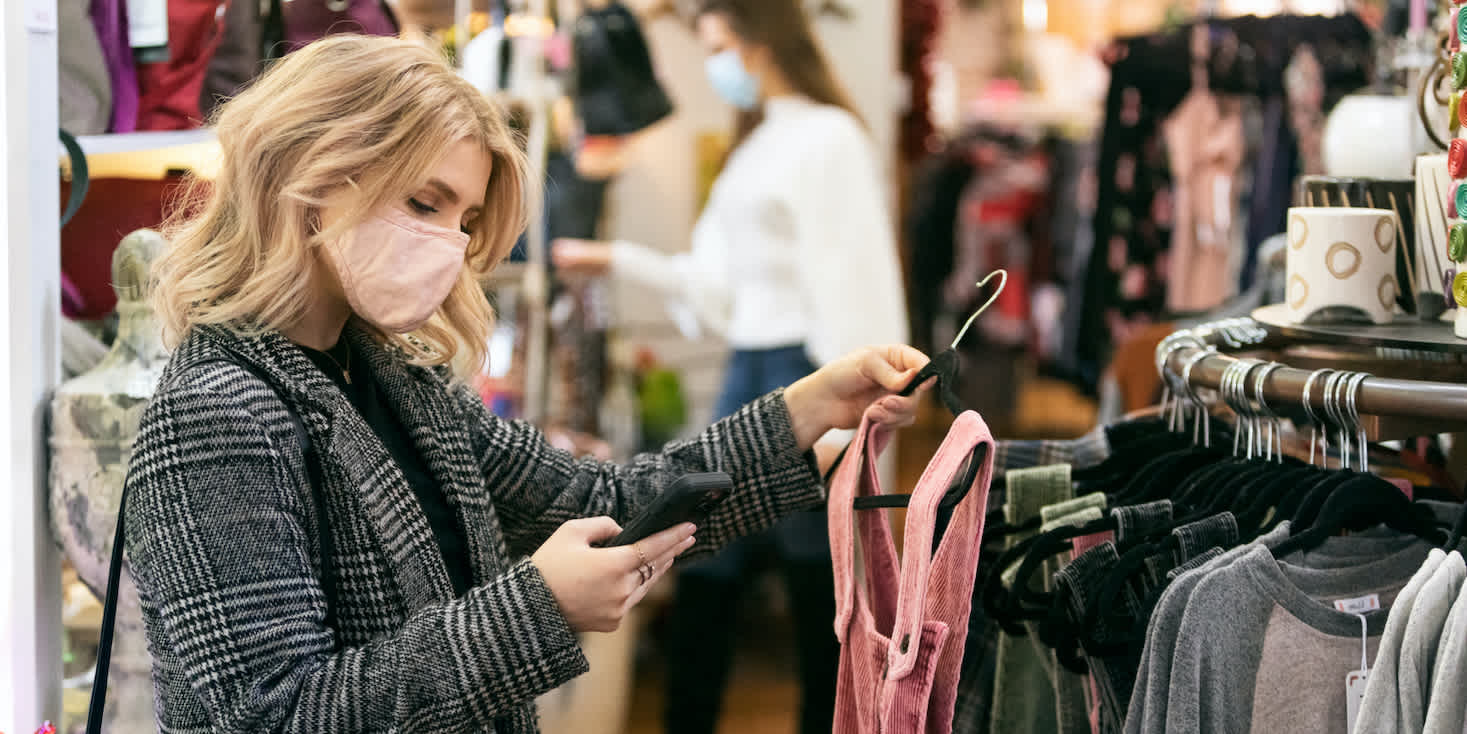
(1364, 501)
(1235, 486)
(1280, 497)
(1123, 463)
(944, 369)
(998, 603)
(1165, 473)
(1310, 503)
(1454, 540)
(1031, 603)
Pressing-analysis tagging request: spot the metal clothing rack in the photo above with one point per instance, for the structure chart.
(1392, 408)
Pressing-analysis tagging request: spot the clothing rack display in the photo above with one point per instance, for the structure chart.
(1156, 567)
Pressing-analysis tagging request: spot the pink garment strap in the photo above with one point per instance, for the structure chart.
(966, 434)
(870, 440)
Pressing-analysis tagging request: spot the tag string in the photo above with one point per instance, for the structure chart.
(1364, 643)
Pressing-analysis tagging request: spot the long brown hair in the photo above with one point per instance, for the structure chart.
(783, 27)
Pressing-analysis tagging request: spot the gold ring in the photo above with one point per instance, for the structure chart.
(640, 555)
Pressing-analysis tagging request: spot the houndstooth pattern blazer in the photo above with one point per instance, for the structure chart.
(221, 543)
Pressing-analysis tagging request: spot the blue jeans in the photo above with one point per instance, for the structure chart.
(749, 376)
(703, 619)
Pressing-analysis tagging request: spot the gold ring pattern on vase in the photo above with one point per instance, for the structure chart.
(1385, 233)
(1298, 231)
(1298, 291)
(1387, 291)
(1331, 256)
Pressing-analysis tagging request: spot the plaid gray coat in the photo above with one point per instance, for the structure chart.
(221, 543)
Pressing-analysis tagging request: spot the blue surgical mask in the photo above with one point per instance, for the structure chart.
(731, 80)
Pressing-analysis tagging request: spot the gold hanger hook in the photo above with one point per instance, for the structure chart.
(986, 304)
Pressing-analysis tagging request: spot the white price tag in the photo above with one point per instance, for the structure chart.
(1359, 605)
(1354, 694)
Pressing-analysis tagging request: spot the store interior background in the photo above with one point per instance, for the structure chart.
(654, 199)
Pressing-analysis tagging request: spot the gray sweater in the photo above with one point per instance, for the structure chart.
(1423, 638)
(1262, 649)
(1446, 712)
(1147, 711)
(1380, 710)
(1205, 646)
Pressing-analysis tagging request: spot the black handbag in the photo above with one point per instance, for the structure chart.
(616, 88)
(114, 571)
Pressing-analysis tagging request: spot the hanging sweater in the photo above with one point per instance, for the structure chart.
(1447, 711)
(1263, 649)
(1150, 706)
(795, 245)
(1380, 709)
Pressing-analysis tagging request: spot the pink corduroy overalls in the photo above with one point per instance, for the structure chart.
(902, 623)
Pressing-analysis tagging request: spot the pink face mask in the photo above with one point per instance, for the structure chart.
(396, 270)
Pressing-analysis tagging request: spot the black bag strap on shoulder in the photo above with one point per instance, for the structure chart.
(114, 571)
(80, 176)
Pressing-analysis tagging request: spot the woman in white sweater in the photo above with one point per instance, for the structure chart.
(794, 262)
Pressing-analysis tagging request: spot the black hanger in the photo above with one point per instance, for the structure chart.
(1454, 540)
(1126, 465)
(1215, 484)
(944, 368)
(998, 603)
(1277, 497)
(1363, 502)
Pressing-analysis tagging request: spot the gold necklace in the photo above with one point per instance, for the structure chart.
(345, 368)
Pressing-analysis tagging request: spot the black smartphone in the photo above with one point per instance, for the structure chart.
(690, 499)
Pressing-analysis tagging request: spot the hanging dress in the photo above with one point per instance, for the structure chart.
(902, 623)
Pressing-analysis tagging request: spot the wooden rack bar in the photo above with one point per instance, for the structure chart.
(1441, 405)
(1378, 395)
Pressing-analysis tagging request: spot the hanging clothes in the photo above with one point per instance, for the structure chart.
(1172, 588)
(1150, 199)
(1205, 144)
(902, 624)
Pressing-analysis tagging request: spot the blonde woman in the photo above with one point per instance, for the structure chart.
(330, 277)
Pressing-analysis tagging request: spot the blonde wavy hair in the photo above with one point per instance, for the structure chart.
(368, 114)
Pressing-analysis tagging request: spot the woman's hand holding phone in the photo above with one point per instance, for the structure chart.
(596, 587)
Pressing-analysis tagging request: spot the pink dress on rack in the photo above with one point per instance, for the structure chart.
(902, 622)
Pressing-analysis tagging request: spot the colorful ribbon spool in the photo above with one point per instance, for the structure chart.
(1457, 243)
(1454, 112)
(1459, 65)
(1459, 288)
(1457, 158)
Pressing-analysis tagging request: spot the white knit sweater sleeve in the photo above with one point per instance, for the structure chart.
(694, 281)
(848, 255)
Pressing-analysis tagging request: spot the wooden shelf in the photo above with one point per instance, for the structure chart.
(142, 142)
(1406, 332)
